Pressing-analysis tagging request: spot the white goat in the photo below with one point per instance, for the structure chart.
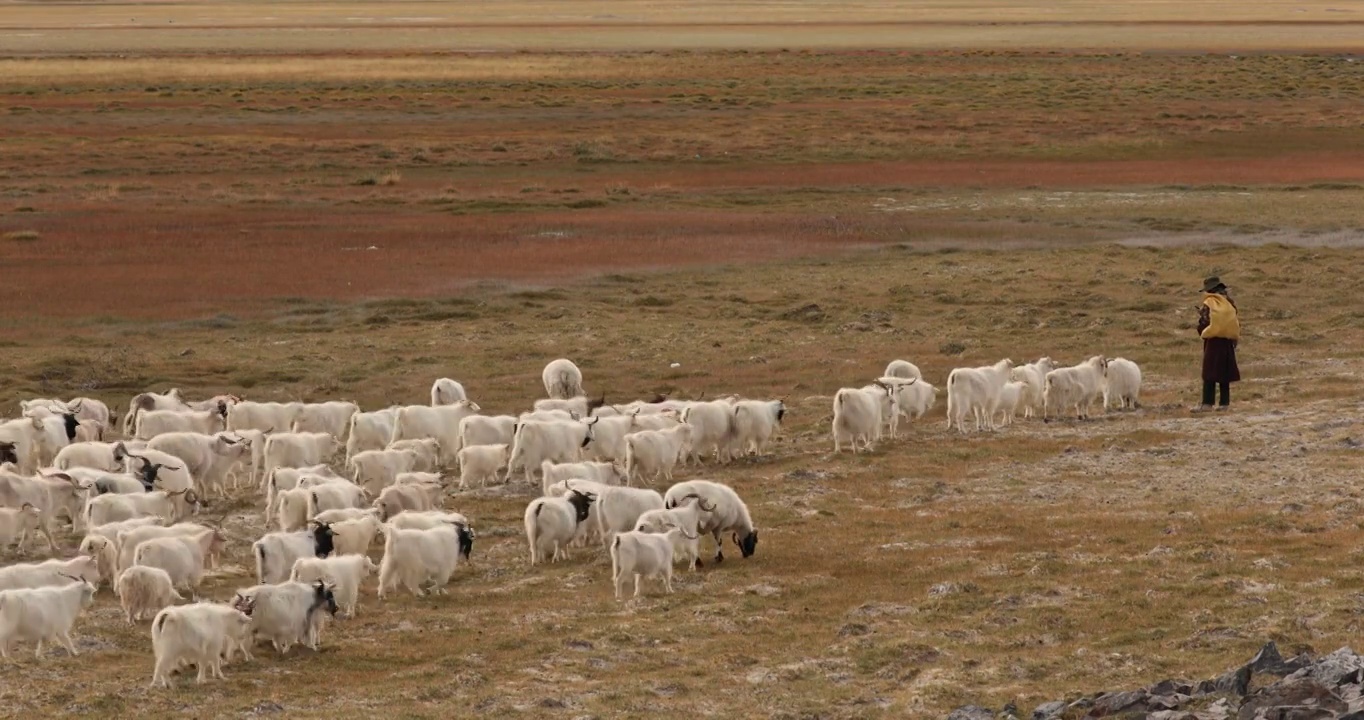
(903, 369)
(556, 440)
(127, 540)
(288, 613)
(644, 554)
(170, 507)
(1034, 375)
(712, 430)
(552, 523)
(688, 515)
(376, 469)
(730, 514)
(579, 406)
(97, 455)
(1006, 405)
(440, 423)
(144, 591)
(482, 463)
(1122, 384)
(268, 417)
(408, 496)
(17, 524)
(286, 450)
(198, 634)
(976, 391)
(355, 535)
(331, 417)
(43, 614)
(147, 401)
(1077, 386)
(427, 520)
(487, 430)
(344, 573)
(603, 472)
(619, 509)
(49, 572)
(857, 415)
(206, 457)
(334, 496)
(755, 423)
(654, 453)
(277, 552)
(183, 558)
(445, 391)
(562, 379)
(417, 558)
(370, 430)
(159, 422)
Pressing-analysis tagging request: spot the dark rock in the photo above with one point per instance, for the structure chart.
(1171, 687)
(1219, 710)
(1269, 662)
(1081, 704)
(972, 712)
(1233, 682)
(1340, 667)
(1167, 702)
(1305, 687)
(552, 703)
(267, 707)
(1118, 702)
(1049, 711)
(1287, 699)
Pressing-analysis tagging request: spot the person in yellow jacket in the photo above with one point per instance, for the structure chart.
(1220, 328)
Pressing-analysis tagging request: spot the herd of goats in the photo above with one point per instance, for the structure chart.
(133, 500)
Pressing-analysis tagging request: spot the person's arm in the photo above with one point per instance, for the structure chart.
(1204, 319)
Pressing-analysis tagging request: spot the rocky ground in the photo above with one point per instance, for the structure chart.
(1268, 687)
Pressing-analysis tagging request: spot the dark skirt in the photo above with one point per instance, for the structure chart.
(1219, 361)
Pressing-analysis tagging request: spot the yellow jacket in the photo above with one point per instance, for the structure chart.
(1222, 320)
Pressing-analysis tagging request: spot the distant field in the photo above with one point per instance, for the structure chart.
(269, 27)
(421, 176)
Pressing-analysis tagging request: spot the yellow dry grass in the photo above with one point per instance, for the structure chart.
(317, 69)
(37, 14)
(181, 27)
(1030, 564)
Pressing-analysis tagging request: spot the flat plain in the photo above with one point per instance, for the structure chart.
(348, 200)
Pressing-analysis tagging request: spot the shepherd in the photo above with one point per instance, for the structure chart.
(1220, 329)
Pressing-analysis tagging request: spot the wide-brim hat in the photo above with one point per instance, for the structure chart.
(1213, 284)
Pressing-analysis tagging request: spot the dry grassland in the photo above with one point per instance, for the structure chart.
(1035, 563)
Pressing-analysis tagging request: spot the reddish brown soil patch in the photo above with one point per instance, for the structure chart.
(193, 262)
